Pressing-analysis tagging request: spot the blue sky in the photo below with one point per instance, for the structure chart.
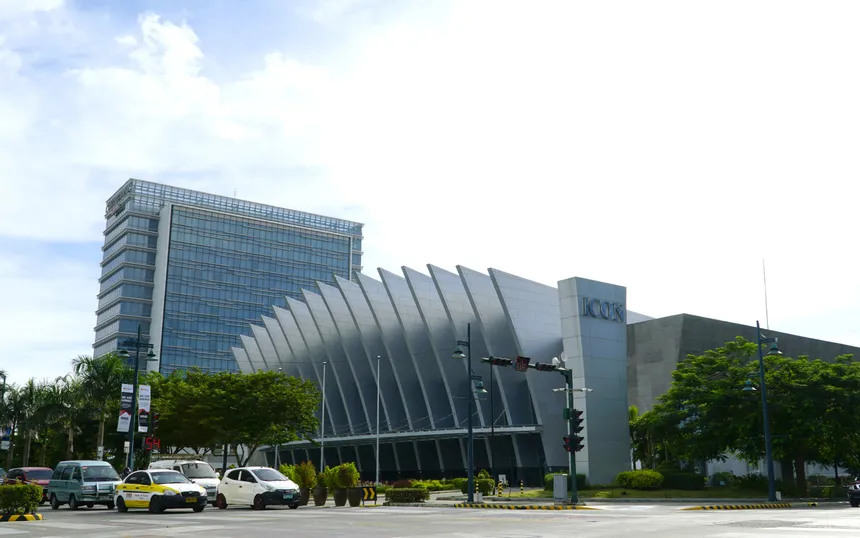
(668, 146)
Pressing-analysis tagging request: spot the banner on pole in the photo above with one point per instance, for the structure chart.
(144, 398)
(125, 408)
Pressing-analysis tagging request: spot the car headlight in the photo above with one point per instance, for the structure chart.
(202, 490)
(169, 492)
(88, 489)
(270, 487)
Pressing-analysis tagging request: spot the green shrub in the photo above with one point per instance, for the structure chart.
(20, 499)
(724, 478)
(457, 483)
(328, 478)
(581, 481)
(483, 474)
(305, 475)
(683, 480)
(288, 470)
(431, 485)
(407, 495)
(402, 484)
(347, 475)
(484, 486)
(642, 479)
(751, 481)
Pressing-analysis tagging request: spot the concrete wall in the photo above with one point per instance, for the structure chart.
(654, 348)
(594, 335)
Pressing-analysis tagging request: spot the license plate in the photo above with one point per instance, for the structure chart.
(191, 499)
(288, 497)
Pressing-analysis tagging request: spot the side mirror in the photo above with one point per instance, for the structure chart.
(218, 476)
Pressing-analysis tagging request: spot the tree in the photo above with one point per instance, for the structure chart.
(706, 414)
(101, 381)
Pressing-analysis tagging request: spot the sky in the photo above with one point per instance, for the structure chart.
(667, 146)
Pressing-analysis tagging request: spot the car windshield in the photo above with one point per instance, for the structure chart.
(99, 473)
(269, 475)
(198, 470)
(169, 477)
(39, 474)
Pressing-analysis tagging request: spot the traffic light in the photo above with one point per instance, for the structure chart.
(576, 427)
(576, 421)
(566, 443)
(498, 361)
(545, 367)
(154, 423)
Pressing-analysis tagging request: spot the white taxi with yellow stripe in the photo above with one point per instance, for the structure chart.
(158, 490)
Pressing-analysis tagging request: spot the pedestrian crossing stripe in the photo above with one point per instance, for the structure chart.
(743, 506)
(525, 507)
(21, 517)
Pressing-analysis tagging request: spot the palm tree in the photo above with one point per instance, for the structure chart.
(29, 395)
(13, 411)
(101, 382)
(68, 407)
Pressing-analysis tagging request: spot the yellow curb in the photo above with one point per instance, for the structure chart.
(524, 507)
(21, 517)
(740, 506)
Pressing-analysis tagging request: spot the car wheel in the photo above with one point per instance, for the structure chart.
(155, 505)
(854, 502)
(109, 506)
(73, 503)
(221, 502)
(258, 503)
(120, 505)
(199, 509)
(90, 505)
(294, 506)
(55, 504)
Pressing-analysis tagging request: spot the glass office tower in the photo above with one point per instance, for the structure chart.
(193, 269)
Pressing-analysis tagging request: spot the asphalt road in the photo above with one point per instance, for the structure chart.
(656, 521)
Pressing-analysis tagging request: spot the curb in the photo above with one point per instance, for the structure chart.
(524, 506)
(21, 517)
(741, 506)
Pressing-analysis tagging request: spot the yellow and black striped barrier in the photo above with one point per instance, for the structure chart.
(524, 506)
(741, 506)
(21, 517)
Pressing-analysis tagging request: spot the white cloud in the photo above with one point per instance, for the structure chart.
(668, 146)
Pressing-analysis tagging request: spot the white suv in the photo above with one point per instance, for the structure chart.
(258, 487)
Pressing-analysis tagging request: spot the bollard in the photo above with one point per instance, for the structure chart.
(501, 488)
(521, 487)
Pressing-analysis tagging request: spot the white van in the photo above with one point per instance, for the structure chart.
(197, 471)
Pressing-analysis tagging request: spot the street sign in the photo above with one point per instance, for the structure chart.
(523, 364)
(369, 494)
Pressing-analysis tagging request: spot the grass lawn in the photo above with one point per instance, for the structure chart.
(620, 493)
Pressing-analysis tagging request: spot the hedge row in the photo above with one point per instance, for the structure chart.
(407, 495)
(20, 499)
(548, 479)
(648, 479)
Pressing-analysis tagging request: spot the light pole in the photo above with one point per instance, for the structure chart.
(492, 424)
(138, 344)
(377, 418)
(768, 447)
(571, 457)
(322, 423)
(471, 377)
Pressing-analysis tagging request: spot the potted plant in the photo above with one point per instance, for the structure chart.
(321, 490)
(348, 478)
(334, 484)
(306, 478)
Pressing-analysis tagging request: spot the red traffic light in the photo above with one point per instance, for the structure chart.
(566, 443)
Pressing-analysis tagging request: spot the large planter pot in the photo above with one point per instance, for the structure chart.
(340, 497)
(320, 496)
(355, 496)
(304, 496)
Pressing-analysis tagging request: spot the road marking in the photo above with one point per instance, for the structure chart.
(5, 531)
(191, 528)
(73, 526)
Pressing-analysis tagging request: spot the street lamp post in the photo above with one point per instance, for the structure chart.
(322, 423)
(470, 454)
(768, 446)
(571, 456)
(377, 418)
(138, 344)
